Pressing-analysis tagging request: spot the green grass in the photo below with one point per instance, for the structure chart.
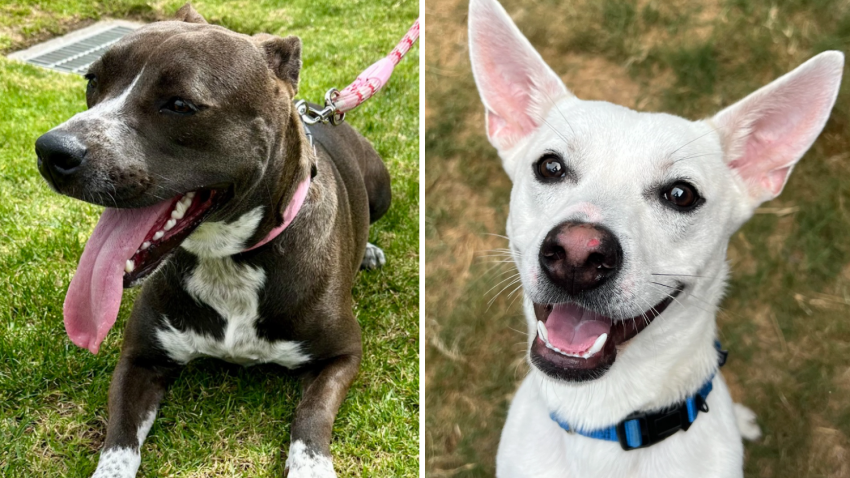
(786, 316)
(217, 419)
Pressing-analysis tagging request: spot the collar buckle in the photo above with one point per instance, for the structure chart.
(641, 430)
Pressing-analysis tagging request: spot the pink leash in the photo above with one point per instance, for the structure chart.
(337, 103)
(376, 76)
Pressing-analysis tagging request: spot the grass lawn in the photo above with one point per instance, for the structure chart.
(786, 316)
(217, 419)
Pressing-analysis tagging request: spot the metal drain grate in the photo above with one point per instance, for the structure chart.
(74, 52)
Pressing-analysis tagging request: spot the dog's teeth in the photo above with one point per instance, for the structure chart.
(170, 224)
(129, 266)
(542, 332)
(597, 346)
(190, 194)
(177, 214)
(158, 235)
(145, 245)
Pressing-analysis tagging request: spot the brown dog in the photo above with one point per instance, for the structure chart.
(249, 235)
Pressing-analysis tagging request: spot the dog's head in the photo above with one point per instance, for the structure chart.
(615, 215)
(187, 122)
(177, 107)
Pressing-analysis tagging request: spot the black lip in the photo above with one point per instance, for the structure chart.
(157, 254)
(574, 369)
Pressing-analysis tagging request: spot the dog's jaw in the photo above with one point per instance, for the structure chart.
(589, 340)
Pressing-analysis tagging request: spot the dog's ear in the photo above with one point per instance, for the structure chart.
(765, 134)
(283, 56)
(189, 15)
(517, 87)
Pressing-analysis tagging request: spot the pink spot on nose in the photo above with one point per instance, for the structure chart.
(593, 243)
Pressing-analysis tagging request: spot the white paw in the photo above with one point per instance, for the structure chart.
(304, 463)
(118, 463)
(747, 425)
(374, 257)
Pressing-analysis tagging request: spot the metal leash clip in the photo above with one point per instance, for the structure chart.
(328, 114)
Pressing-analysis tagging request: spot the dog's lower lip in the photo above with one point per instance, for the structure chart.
(186, 214)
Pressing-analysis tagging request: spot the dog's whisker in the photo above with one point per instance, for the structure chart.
(496, 296)
(561, 113)
(519, 287)
(682, 275)
(713, 130)
(514, 276)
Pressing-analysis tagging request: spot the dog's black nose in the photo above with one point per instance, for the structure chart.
(578, 256)
(60, 154)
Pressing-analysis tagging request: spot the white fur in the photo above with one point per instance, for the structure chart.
(374, 257)
(223, 239)
(232, 290)
(109, 112)
(124, 462)
(304, 464)
(746, 419)
(118, 463)
(620, 159)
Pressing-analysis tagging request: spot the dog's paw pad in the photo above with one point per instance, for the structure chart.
(303, 462)
(374, 257)
(747, 425)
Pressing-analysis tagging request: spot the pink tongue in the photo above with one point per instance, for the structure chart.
(94, 296)
(573, 329)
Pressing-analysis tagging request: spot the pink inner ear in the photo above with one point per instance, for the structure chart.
(775, 144)
(766, 133)
(495, 124)
(516, 85)
(774, 180)
(507, 85)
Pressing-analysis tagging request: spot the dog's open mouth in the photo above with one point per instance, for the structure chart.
(576, 344)
(182, 216)
(126, 246)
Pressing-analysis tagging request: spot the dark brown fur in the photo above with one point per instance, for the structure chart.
(250, 137)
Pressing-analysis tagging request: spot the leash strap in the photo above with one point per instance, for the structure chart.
(644, 429)
(337, 103)
(376, 76)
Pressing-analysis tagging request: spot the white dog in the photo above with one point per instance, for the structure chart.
(619, 223)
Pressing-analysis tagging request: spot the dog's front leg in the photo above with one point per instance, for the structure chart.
(137, 387)
(324, 389)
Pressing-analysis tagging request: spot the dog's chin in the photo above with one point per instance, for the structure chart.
(575, 344)
(187, 211)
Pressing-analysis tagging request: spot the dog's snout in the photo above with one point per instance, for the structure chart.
(578, 257)
(60, 154)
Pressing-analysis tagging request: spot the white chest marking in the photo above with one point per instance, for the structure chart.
(232, 290)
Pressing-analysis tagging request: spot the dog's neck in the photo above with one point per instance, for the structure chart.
(664, 364)
(294, 163)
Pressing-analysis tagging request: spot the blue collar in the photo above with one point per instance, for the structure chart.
(643, 429)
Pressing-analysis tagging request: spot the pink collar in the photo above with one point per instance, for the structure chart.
(288, 214)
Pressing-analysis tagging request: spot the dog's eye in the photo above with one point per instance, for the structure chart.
(179, 106)
(92, 82)
(681, 196)
(550, 168)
